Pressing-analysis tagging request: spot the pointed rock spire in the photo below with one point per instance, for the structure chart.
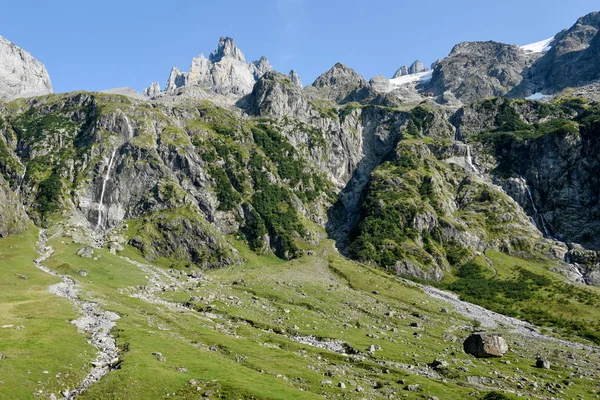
(295, 78)
(227, 48)
(152, 91)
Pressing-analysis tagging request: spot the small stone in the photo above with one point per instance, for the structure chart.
(342, 385)
(115, 247)
(182, 369)
(83, 272)
(414, 325)
(444, 310)
(85, 252)
(159, 356)
(326, 382)
(375, 292)
(23, 277)
(2, 356)
(412, 388)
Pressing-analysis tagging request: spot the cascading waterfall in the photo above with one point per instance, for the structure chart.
(21, 181)
(536, 214)
(470, 159)
(106, 178)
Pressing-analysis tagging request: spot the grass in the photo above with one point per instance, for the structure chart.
(238, 343)
(47, 353)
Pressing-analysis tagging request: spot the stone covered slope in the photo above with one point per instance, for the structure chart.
(21, 75)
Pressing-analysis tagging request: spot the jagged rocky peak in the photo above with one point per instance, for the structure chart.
(295, 78)
(227, 48)
(338, 75)
(21, 75)
(225, 72)
(477, 70)
(152, 91)
(414, 68)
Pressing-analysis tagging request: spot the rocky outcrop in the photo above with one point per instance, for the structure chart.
(153, 91)
(340, 84)
(224, 72)
(573, 60)
(415, 68)
(477, 70)
(13, 218)
(21, 75)
(295, 78)
(485, 345)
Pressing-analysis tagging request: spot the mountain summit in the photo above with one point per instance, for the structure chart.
(21, 75)
(224, 72)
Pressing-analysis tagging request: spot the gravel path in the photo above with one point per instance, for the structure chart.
(94, 321)
(490, 319)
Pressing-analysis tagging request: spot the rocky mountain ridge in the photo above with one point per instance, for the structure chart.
(21, 75)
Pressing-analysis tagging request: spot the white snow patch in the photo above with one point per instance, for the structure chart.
(539, 96)
(538, 47)
(419, 77)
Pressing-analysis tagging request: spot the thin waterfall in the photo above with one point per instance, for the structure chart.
(535, 212)
(21, 181)
(106, 178)
(470, 159)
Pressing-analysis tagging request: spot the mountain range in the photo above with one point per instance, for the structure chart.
(339, 227)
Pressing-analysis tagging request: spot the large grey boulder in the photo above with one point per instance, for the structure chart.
(485, 344)
(21, 75)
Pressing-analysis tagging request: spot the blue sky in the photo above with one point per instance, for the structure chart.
(105, 44)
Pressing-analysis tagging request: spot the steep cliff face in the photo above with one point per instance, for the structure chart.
(13, 218)
(552, 150)
(572, 60)
(477, 70)
(103, 160)
(21, 75)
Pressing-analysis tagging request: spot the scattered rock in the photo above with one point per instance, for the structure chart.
(2, 356)
(326, 382)
(115, 247)
(542, 363)
(412, 388)
(24, 277)
(85, 252)
(159, 356)
(83, 272)
(415, 325)
(342, 385)
(182, 369)
(437, 364)
(485, 344)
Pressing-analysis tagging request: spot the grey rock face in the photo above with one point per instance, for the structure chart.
(21, 75)
(176, 80)
(403, 70)
(13, 218)
(485, 345)
(340, 84)
(476, 70)
(574, 59)
(227, 48)
(224, 72)
(152, 91)
(295, 78)
(415, 68)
